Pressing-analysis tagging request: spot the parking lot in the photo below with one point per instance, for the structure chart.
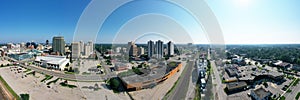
(3, 62)
(32, 85)
(88, 67)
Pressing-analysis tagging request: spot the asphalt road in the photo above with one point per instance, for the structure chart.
(1, 95)
(219, 92)
(181, 87)
(108, 72)
(292, 95)
(66, 76)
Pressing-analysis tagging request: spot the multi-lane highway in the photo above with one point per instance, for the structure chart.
(181, 88)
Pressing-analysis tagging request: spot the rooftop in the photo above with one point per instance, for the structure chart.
(235, 85)
(250, 72)
(155, 73)
(52, 59)
(261, 92)
(149, 74)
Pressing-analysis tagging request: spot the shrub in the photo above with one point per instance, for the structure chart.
(282, 98)
(265, 84)
(64, 84)
(297, 96)
(47, 77)
(114, 84)
(289, 90)
(24, 96)
(296, 82)
(137, 71)
(54, 81)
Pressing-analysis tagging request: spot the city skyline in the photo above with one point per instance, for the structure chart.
(278, 21)
(149, 49)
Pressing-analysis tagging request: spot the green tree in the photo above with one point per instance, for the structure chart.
(33, 73)
(282, 98)
(265, 84)
(24, 96)
(297, 96)
(67, 65)
(256, 63)
(96, 57)
(71, 69)
(249, 63)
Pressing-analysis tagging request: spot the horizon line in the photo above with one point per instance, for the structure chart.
(177, 43)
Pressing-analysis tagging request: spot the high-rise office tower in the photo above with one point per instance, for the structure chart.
(58, 44)
(159, 49)
(81, 44)
(76, 53)
(150, 48)
(130, 43)
(47, 42)
(170, 48)
(133, 49)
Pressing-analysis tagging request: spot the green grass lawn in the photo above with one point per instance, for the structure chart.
(27, 70)
(47, 77)
(54, 81)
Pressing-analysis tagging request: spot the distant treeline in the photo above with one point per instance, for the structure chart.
(286, 53)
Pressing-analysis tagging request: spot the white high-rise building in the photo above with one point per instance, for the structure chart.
(170, 48)
(40, 47)
(150, 48)
(90, 43)
(159, 48)
(141, 51)
(87, 50)
(118, 49)
(76, 53)
(22, 45)
(10, 45)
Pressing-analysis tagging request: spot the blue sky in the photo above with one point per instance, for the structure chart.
(38, 20)
(258, 21)
(242, 21)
